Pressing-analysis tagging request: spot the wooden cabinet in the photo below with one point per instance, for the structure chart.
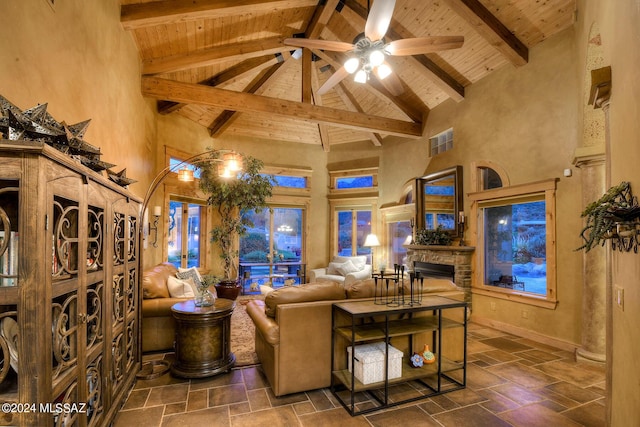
(437, 321)
(68, 289)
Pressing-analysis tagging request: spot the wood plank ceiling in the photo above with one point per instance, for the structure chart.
(223, 64)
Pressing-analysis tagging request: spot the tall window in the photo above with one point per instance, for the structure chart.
(516, 242)
(185, 233)
(353, 227)
(515, 246)
(277, 235)
(353, 198)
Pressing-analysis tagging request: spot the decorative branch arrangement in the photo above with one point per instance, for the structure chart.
(614, 216)
(435, 236)
(36, 124)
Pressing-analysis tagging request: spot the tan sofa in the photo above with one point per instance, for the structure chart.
(158, 325)
(293, 330)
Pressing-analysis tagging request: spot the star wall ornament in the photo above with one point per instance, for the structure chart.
(36, 124)
(120, 178)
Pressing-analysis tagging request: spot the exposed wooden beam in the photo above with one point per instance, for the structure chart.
(352, 105)
(306, 76)
(221, 98)
(226, 77)
(323, 130)
(432, 71)
(320, 18)
(257, 86)
(214, 55)
(133, 16)
(491, 29)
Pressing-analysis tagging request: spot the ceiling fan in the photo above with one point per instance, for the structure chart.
(369, 50)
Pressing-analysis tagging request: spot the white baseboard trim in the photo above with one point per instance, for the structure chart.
(526, 333)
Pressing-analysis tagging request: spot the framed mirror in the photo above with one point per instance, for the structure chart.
(439, 200)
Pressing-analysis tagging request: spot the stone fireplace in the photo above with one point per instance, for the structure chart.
(458, 256)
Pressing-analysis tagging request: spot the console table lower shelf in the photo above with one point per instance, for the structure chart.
(365, 322)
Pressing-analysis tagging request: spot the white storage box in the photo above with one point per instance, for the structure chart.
(369, 362)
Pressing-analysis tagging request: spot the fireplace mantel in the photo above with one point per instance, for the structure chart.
(458, 256)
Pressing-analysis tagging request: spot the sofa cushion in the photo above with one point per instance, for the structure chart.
(438, 285)
(303, 293)
(346, 268)
(330, 278)
(366, 288)
(154, 281)
(181, 288)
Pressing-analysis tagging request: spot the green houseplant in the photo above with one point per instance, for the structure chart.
(249, 190)
(602, 216)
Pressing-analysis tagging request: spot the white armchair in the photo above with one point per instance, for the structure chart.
(343, 269)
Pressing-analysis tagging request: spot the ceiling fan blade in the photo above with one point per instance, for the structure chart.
(336, 78)
(319, 44)
(420, 45)
(392, 83)
(379, 19)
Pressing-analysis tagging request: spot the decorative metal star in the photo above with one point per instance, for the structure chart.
(120, 178)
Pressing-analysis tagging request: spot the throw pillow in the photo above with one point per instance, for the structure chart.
(332, 268)
(346, 268)
(193, 273)
(358, 260)
(180, 288)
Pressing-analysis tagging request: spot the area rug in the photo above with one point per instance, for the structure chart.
(242, 333)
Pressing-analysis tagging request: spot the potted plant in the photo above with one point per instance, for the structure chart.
(615, 206)
(433, 237)
(230, 197)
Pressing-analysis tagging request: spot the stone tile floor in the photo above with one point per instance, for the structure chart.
(511, 381)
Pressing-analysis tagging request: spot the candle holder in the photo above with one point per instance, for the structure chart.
(416, 287)
(397, 297)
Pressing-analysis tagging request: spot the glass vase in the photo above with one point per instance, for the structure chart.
(204, 299)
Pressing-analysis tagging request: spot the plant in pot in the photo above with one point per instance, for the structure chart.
(616, 206)
(249, 190)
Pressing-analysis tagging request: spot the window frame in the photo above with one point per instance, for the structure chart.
(202, 233)
(353, 173)
(547, 191)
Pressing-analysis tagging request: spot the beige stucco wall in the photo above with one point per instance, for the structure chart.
(523, 119)
(618, 22)
(81, 62)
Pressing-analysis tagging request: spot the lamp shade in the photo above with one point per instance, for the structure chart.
(185, 175)
(371, 240)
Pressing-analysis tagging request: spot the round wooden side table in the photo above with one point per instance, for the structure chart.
(203, 345)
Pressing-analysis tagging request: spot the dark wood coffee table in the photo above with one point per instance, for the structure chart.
(203, 346)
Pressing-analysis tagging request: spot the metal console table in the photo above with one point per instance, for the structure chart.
(407, 328)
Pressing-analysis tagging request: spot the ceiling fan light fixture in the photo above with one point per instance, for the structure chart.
(361, 76)
(376, 57)
(383, 71)
(351, 65)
